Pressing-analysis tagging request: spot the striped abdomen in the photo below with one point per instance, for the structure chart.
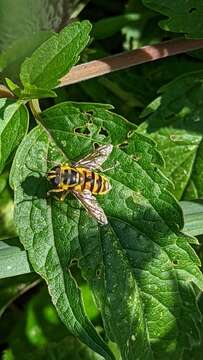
(70, 177)
(95, 183)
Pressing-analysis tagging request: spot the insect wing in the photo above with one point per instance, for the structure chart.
(92, 206)
(96, 158)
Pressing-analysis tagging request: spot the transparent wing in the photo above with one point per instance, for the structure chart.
(96, 158)
(92, 206)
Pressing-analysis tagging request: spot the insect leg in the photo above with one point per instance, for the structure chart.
(63, 196)
(54, 191)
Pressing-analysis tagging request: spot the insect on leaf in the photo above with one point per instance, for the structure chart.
(140, 266)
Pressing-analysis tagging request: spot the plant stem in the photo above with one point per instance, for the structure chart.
(35, 109)
(122, 61)
(129, 58)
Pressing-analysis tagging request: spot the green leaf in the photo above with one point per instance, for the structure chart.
(39, 229)
(13, 126)
(13, 56)
(7, 227)
(13, 259)
(193, 216)
(14, 287)
(67, 348)
(184, 16)
(55, 57)
(32, 16)
(109, 26)
(173, 120)
(139, 266)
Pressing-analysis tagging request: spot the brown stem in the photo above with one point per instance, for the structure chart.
(122, 61)
(5, 92)
(127, 59)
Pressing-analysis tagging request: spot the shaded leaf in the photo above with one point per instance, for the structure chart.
(31, 16)
(13, 126)
(14, 287)
(193, 217)
(13, 259)
(7, 227)
(55, 57)
(110, 26)
(139, 266)
(67, 348)
(184, 16)
(173, 120)
(13, 56)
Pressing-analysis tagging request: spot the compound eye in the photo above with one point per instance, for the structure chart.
(57, 169)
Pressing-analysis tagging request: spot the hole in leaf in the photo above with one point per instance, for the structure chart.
(82, 130)
(90, 112)
(130, 133)
(98, 273)
(123, 145)
(135, 157)
(192, 10)
(96, 146)
(175, 262)
(103, 131)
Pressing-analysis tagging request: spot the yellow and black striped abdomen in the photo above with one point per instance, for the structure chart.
(97, 184)
(70, 177)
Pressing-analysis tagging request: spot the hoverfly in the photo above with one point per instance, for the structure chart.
(83, 182)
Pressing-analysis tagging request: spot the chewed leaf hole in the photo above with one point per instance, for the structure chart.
(98, 273)
(192, 10)
(135, 157)
(89, 112)
(96, 146)
(123, 145)
(82, 130)
(103, 131)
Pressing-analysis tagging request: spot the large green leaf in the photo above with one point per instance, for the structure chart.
(184, 16)
(29, 16)
(174, 121)
(13, 126)
(55, 57)
(42, 231)
(139, 266)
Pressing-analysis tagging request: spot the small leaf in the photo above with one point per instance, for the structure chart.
(13, 126)
(55, 57)
(13, 259)
(140, 266)
(184, 16)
